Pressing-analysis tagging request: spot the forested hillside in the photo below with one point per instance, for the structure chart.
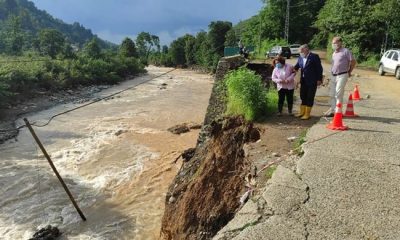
(368, 27)
(21, 22)
(42, 54)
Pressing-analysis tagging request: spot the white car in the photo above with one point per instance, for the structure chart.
(295, 49)
(390, 63)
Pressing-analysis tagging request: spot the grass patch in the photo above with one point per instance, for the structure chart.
(372, 62)
(272, 101)
(299, 142)
(270, 170)
(245, 94)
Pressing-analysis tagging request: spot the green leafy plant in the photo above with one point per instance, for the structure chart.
(245, 94)
(270, 170)
(299, 142)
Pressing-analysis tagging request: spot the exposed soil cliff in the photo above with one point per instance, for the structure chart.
(206, 192)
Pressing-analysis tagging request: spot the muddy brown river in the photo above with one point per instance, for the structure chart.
(116, 156)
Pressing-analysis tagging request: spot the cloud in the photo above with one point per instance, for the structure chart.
(115, 19)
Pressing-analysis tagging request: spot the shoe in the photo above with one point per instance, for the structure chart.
(279, 114)
(302, 111)
(307, 113)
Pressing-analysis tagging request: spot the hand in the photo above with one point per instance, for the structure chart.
(349, 74)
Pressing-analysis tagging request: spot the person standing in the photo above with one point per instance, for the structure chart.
(343, 64)
(283, 75)
(310, 78)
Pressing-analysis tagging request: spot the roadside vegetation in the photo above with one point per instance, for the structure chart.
(245, 94)
(297, 145)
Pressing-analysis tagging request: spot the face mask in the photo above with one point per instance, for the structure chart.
(335, 46)
(278, 65)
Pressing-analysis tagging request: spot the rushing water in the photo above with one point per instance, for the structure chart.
(115, 156)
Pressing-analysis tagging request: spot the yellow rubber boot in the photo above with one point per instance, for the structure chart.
(307, 113)
(302, 111)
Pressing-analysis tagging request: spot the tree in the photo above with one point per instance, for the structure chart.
(216, 35)
(230, 38)
(51, 42)
(201, 38)
(92, 49)
(177, 51)
(145, 43)
(128, 48)
(189, 50)
(354, 21)
(164, 49)
(13, 35)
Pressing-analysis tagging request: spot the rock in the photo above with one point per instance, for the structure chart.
(48, 233)
(188, 154)
(179, 129)
(291, 139)
(194, 126)
(171, 200)
(275, 154)
(246, 149)
(119, 132)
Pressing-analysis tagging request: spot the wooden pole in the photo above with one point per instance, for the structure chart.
(54, 169)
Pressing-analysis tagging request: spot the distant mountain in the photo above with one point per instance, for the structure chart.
(31, 20)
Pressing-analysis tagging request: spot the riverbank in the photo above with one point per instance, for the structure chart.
(39, 102)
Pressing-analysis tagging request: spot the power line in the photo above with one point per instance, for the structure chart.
(287, 21)
(87, 104)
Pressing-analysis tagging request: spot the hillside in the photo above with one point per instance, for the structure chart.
(23, 16)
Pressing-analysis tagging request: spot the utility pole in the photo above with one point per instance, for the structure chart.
(287, 21)
(259, 36)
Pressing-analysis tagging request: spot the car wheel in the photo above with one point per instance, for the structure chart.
(380, 70)
(397, 74)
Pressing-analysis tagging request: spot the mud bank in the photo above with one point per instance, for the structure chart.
(206, 192)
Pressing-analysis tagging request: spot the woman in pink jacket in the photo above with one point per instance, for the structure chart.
(283, 76)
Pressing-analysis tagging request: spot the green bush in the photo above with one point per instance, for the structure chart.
(372, 62)
(245, 94)
(21, 75)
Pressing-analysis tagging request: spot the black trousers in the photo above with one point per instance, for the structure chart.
(289, 98)
(307, 94)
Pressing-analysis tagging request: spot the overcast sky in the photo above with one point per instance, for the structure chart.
(115, 19)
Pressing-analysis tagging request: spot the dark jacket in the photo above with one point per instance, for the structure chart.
(311, 72)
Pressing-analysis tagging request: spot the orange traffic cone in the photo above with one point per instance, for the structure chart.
(337, 123)
(356, 94)
(350, 109)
